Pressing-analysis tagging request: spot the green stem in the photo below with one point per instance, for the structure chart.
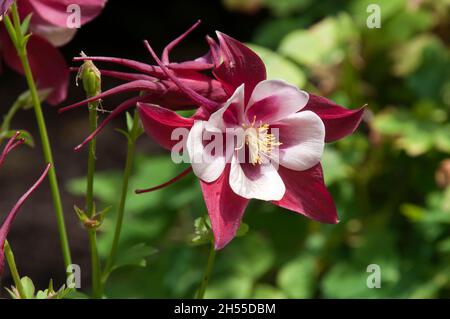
(90, 205)
(95, 264)
(13, 269)
(207, 275)
(56, 196)
(133, 135)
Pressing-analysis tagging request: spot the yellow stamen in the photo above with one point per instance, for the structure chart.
(259, 141)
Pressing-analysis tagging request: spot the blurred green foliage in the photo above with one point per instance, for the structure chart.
(389, 180)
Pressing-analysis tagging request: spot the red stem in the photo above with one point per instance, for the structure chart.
(173, 180)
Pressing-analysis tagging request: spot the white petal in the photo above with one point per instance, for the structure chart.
(206, 166)
(57, 36)
(273, 100)
(260, 181)
(303, 139)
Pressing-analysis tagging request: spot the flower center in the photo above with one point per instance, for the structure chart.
(260, 142)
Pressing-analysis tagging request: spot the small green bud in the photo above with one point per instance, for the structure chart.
(88, 223)
(94, 222)
(91, 77)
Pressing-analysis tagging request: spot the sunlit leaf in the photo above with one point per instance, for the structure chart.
(298, 277)
(134, 256)
(279, 67)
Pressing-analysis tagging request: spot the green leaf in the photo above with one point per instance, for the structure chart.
(442, 139)
(408, 56)
(286, 7)
(251, 256)
(11, 30)
(26, 24)
(130, 121)
(25, 40)
(415, 132)
(311, 47)
(23, 134)
(105, 188)
(42, 294)
(236, 287)
(430, 289)
(242, 230)
(334, 166)
(345, 281)
(325, 43)
(298, 277)
(28, 287)
(432, 77)
(202, 232)
(278, 67)
(134, 256)
(264, 291)
(413, 212)
(444, 246)
(123, 132)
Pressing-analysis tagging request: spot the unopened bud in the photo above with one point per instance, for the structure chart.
(94, 222)
(88, 223)
(91, 77)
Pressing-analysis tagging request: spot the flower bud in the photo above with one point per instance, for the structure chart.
(91, 77)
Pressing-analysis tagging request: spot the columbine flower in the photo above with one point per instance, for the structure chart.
(5, 227)
(273, 106)
(274, 169)
(236, 93)
(304, 122)
(50, 30)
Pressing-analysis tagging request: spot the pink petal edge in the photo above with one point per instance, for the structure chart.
(225, 208)
(307, 194)
(339, 121)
